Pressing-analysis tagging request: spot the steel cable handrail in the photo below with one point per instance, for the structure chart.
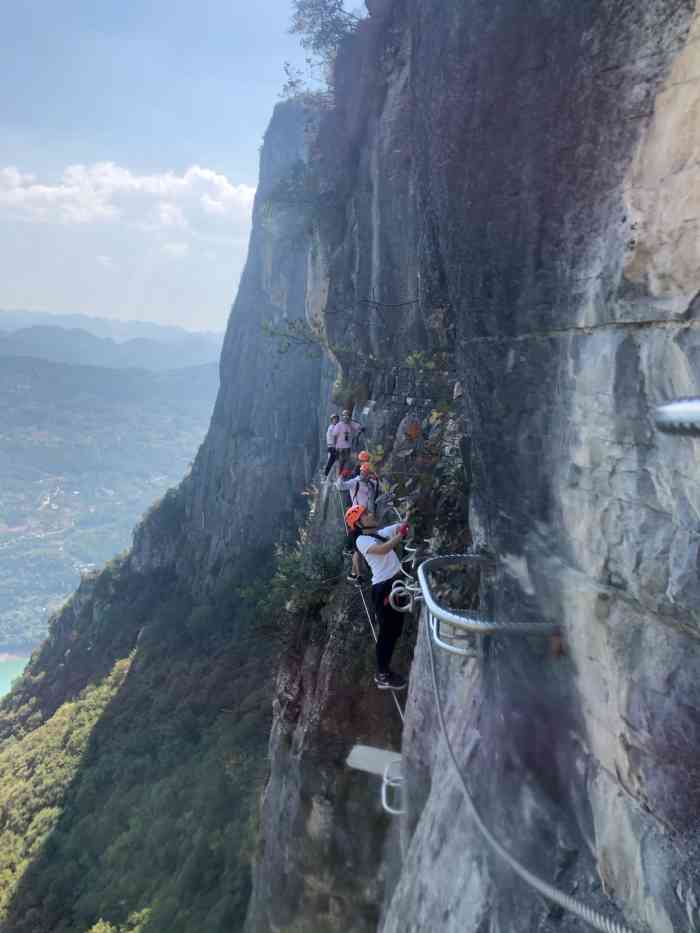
(471, 621)
(591, 916)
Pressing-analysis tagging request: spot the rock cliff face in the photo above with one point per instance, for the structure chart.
(495, 237)
(512, 266)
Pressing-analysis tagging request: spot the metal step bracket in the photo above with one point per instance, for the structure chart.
(384, 764)
(392, 786)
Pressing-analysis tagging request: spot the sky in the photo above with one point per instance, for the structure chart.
(129, 144)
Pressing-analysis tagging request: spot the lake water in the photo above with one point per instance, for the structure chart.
(9, 669)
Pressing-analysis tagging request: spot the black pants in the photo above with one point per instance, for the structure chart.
(390, 624)
(343, 456)
(332, 457)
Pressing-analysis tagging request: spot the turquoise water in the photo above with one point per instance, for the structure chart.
(8, 671)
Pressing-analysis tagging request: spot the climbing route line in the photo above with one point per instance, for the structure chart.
(592, 917)
(585, 330)
(379, 305)
(374, 636)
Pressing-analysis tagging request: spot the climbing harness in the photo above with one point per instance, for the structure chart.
(681, 416)
(592, 917)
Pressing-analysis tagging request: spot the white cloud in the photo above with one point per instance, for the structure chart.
(170, 215)
(106, 192)
(144, 235)
(176, 250)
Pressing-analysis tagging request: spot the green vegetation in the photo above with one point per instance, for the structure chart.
(135, 746)
(322, 26)
(304, 576)
(135, 752)
(295, 334)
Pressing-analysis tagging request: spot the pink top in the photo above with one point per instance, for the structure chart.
(344, 431)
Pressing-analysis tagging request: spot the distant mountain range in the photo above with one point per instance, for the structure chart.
(78, 346)
(97, 419)
(103, 327)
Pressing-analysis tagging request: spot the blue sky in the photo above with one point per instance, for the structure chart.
(129, 138)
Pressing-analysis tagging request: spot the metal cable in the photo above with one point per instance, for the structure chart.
(472, 621)
(591, 916)
(340, 506)
(371, 303)
(374, 636)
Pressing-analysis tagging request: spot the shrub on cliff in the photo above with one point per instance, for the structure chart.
(322, 25)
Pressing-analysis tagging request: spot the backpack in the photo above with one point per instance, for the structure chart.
(373, 483)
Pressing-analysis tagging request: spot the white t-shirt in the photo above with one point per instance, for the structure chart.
(330, 436)
(383, 566)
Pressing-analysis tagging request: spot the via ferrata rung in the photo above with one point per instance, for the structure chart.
(392, 782)
(681, 416)
(385, 764)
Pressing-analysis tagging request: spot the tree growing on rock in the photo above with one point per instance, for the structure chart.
(322, 25)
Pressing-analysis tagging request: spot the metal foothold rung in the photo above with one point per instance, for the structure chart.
(393, 778)
(681, 416)
(447, 640)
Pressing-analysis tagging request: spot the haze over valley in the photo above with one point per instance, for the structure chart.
(85, 450)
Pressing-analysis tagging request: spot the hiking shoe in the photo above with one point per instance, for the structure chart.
(390, 681)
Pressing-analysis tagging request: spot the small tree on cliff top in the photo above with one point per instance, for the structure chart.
(322, 25)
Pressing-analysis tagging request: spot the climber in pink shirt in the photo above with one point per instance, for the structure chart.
(344, 432)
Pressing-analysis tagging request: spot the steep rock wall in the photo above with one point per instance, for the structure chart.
(517, 213)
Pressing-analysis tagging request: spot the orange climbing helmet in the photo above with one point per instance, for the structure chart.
(363, 456)
(353, 515)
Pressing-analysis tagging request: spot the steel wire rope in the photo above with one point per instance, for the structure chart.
(379, 305)
(374, 636)
(469, 620)
(586, 913)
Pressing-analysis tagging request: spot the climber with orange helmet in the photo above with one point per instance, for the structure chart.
(362, 488)
(363, 491)
(378, 548)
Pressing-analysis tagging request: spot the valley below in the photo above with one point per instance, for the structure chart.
(84, 452)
